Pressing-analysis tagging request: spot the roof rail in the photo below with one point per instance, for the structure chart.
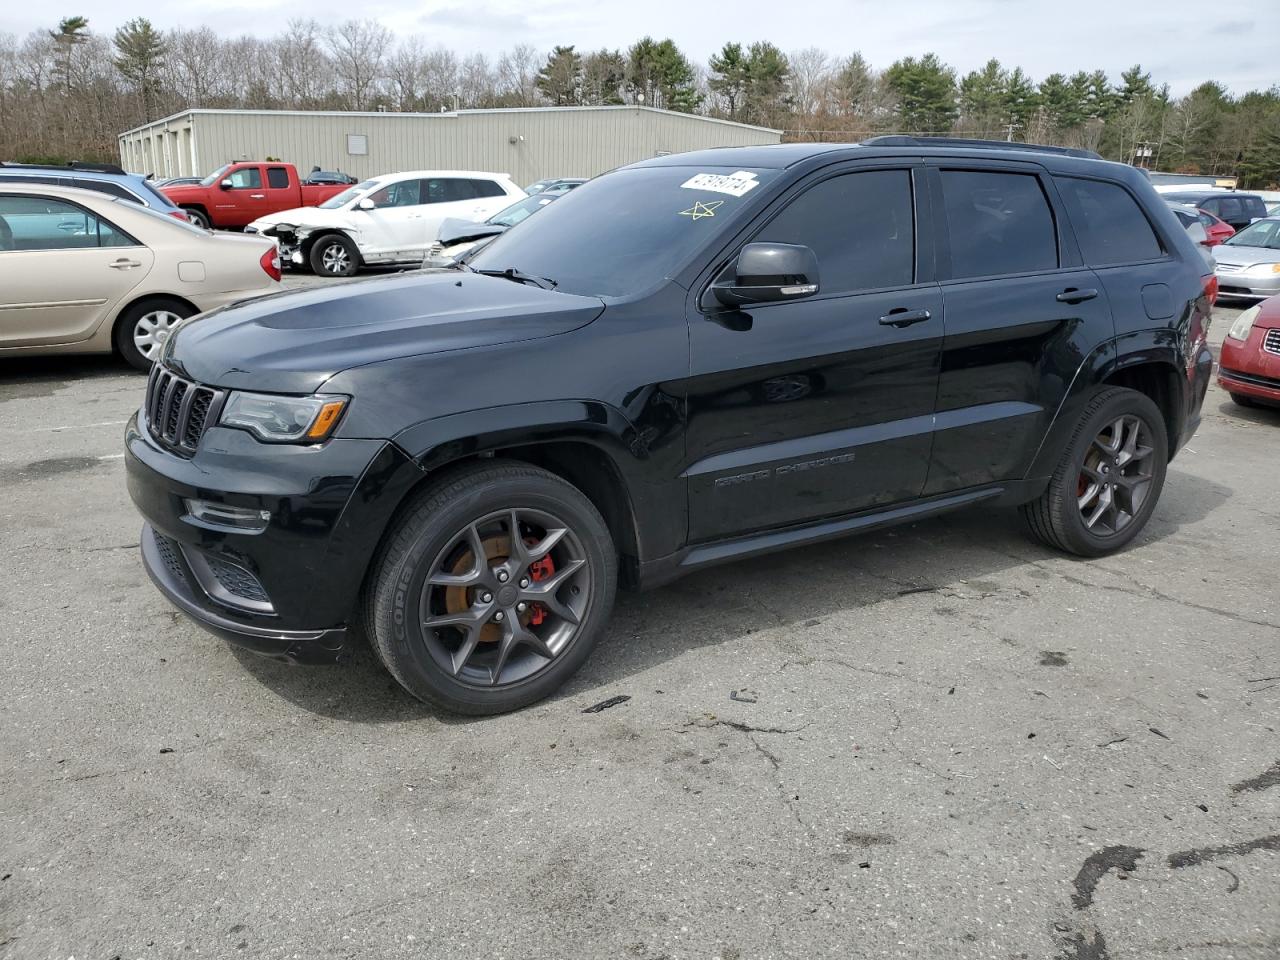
(899, 140)
(73, 165)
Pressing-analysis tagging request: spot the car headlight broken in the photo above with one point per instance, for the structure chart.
(278, 419)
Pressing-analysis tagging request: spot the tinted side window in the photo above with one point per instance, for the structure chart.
(102, 186)
(998, 223)
(486, 188)
(277, 178)
(1213, 206)
(1109, 225)
(246, 178)
(436, 191)
(1254, 207)
(456, 189)
(860, 225)
(403, 193)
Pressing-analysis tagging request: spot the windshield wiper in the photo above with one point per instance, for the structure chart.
(511, 273)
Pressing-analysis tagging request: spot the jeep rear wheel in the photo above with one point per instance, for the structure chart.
(1109, 479)
(491, 589)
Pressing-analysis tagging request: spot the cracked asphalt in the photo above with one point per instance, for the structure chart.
(937, 741)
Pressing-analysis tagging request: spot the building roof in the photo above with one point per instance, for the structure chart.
(451, 114)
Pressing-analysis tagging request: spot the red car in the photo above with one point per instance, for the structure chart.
(239, 193)
(1249, 368)
(1218, 230)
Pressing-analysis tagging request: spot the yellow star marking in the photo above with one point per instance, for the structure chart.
(700, 209)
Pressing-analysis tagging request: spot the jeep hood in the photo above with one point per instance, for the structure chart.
(305, 217)
(293, 342)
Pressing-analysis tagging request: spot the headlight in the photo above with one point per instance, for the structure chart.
(1265, 268)
(1243, 323)
(283, 419)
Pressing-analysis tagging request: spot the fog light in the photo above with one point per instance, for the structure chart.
(296, 257)
(222, 516)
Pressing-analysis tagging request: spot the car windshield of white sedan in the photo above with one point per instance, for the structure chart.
(1264, 233)
(347, 195)
(622, 233)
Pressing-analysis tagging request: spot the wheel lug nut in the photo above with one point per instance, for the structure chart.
(522, 607)
(524, 582)
(503, 576)
(498, 616)
(486, 598)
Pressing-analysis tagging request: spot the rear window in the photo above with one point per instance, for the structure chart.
(1109, 225)
(487, 188)
(104, 186)
(998, 223)
(1254, 206)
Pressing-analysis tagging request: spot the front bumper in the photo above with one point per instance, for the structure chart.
(286, 591)
(169, 567)
(1248, 368)
(1245, 286)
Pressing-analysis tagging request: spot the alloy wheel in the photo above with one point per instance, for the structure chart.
(505, 597)
(152, 330)
(335, 259)
(1115, 478)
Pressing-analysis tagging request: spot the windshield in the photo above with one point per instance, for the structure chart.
(347, 195)
(1264, 233)
(214, 177)
(622, 233)
(510, 216)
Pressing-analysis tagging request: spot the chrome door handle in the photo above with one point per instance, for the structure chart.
(124, 264)
(902, 317)
(257, 196)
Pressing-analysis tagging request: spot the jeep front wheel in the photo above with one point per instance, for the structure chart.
(1109, 479)
(492, 589)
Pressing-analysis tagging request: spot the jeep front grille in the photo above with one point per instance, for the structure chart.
(179, 411)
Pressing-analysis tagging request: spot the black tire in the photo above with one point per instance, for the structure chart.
(334, 255)
(198, 217)
(1056, 518)
(127, 328)
(1241, 400)
(396, 591)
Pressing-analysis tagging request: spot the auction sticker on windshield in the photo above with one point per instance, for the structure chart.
(734, 184)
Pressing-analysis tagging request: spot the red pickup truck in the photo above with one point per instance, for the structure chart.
(239, 193)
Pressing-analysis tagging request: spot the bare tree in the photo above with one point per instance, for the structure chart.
(810, 81)
(406, 74)
(517, 75)
(305, 71)
(475, 82)
(439, 79)
(358, 48)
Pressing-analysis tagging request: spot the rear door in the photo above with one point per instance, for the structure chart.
(279, 190)
(816, 408)
(1021, 312)
(63, 269)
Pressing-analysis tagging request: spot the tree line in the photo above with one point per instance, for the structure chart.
(66, 92)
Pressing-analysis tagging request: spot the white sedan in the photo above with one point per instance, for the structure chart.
(84, 272)
(387, 220)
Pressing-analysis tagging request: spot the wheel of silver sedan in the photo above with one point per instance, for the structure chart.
(152, 329)
(505, 597)
(1115, 478)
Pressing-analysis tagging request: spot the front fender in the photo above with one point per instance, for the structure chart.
(652, 493)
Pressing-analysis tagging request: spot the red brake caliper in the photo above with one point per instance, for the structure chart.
(539, 570)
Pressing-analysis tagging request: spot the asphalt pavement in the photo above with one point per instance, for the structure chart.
(939, 741)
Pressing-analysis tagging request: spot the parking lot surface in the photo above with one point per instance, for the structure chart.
(936, 741)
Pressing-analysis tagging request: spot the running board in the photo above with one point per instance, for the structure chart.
(727, 550)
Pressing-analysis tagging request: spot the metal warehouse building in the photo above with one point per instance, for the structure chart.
(529, 143)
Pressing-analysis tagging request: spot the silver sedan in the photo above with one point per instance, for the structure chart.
(1249, 263)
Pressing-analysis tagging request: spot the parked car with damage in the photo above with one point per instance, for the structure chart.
(82, 272)
(456, 237)
(684, 362)
(387, 220)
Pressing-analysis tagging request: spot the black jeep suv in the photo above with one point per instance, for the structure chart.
(683, 362)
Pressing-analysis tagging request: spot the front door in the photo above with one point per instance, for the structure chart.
(62, 269)
(396, 228)
(804, 410)
(1021, 312)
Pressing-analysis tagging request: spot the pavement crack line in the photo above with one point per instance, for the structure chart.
(1266, 779)
(1191, 858)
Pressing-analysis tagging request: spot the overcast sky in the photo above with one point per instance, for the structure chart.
(1173, 39)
